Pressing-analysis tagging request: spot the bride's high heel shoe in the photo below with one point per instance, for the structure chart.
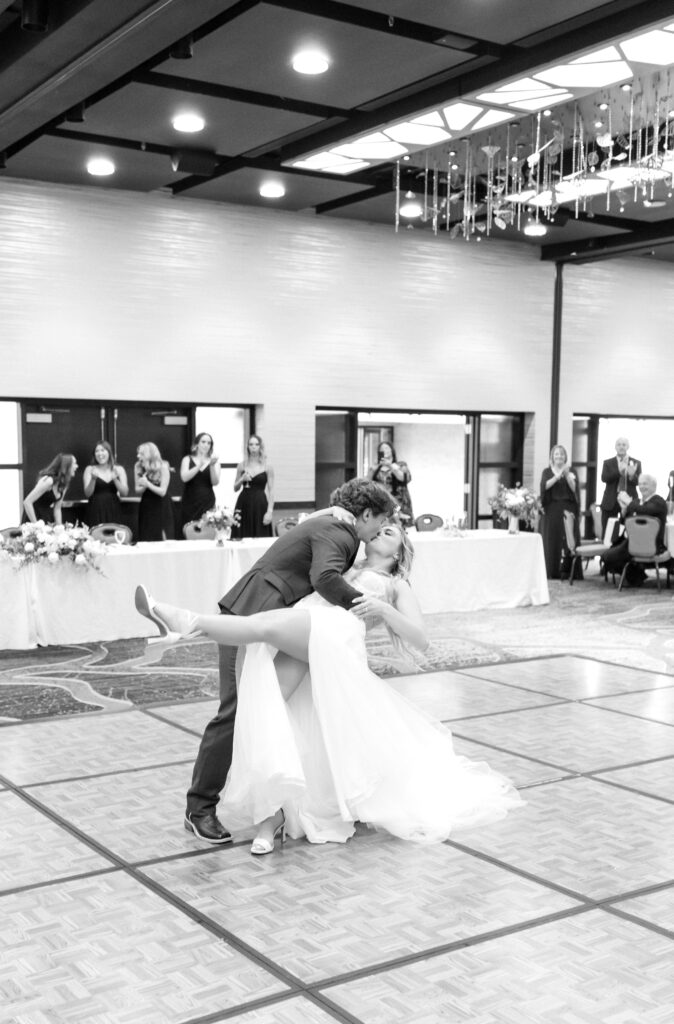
(261, 846)
(147, 606)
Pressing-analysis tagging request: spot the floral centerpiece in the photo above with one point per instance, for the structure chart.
(515, 503)
(222, 520)
(52, 543)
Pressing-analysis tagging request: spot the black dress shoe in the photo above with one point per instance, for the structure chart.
(207, 827)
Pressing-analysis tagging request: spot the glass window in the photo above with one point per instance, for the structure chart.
(10, 497)
(9, 433)
(227, 425)
(497, 438)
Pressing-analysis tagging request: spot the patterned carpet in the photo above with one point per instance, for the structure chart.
(591, 619)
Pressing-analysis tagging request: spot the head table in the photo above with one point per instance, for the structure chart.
(62, 604)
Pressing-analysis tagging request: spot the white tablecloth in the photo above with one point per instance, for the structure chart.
(480, 569)
(63, 604)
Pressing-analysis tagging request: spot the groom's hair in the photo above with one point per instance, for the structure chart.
(360, 493)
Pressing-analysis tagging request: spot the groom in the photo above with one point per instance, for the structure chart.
(311, 556)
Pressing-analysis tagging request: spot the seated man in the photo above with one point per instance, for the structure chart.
(651, 504)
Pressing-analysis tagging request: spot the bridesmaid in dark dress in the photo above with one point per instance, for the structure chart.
(255, 504)
(152, 477)
(200, 473)
(104, 483)
(45, 501)
(559, 493)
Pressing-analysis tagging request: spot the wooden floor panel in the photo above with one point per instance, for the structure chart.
(571, 677)
(86, 745)
(590, 969)
(657, 908)
(105, 950)
(657, 705)
(576, 737)
(594, 839)
(341, 908)
(34, 850)
(656, 778)
(448, 695)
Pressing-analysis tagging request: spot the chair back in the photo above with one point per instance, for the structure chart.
(428, 522)
(10, 532)
(198, 531)
(282, 526)
(570, 531)
(642, 534)
(596, 521)
(108, 533)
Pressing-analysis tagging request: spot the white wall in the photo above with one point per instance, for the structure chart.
(203, 302)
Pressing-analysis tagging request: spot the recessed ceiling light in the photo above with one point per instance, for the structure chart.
(188, 122)
(535, 229)
(603, 106)
(100, 166)
(310, 62)
(626, 87)
(411, 209)
(272, 190)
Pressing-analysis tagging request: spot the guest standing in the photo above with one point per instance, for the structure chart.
(152, 476)
(104, 483)
(650, 504)
(45, 501)
(255, 504)
(559, 494)
(200, 473)
(619, 474)
(394, 475)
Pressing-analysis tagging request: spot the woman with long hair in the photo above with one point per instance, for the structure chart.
(255, 504)
(394, 474)
(104, 483)
(200, 473)
(320, 742)
(45, 501)
(152, 477)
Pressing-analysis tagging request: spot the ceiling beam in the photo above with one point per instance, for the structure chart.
(228, 92)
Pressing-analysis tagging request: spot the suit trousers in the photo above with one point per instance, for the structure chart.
(215, 751)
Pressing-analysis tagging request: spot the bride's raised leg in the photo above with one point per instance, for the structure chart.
(284, 628)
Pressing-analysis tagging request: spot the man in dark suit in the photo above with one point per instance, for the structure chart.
(651, 504)
(619, 474)
(313, 556)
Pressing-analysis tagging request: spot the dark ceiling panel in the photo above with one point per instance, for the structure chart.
(242, 186)
(500, 21)
(144, 113)
(63, 160)
(254, 52)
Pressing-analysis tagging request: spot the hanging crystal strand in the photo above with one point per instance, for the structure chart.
(466, 194)
(575, 161)
(397, 188)
(608, 181)
(426, 189)
(449, 191)
(656, 141)
(538, 165)
(435, 199)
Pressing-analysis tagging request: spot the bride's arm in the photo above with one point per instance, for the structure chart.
(405, 618)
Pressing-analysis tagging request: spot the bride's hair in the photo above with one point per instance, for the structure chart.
(404, 558)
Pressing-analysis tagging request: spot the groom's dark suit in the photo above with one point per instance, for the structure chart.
(311, 556)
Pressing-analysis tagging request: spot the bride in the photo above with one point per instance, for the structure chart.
(320, 742)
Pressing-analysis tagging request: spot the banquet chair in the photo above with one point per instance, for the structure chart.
(10, 532)
(428, 522)
(282, 526)
(584, 551)
(642, 533)
(195, 530)
(106, 533)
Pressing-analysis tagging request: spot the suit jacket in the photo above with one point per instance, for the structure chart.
(655, 506)
(311, 556)
(615, 481)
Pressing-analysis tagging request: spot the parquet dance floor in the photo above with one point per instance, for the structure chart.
(110, 913)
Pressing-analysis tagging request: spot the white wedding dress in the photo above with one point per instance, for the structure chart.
(347, 747)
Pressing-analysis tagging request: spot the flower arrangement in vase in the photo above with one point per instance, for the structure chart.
(221, 520)
(513, 504)
(53, 543)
